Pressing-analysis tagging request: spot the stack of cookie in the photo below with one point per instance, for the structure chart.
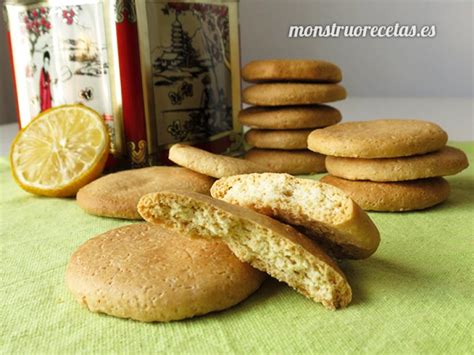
(288, 98)
(389, 165)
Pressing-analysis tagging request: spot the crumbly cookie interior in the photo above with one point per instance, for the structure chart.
(315, 200)
(253, 243)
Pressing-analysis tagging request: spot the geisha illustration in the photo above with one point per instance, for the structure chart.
(45, 84)
(63, 57)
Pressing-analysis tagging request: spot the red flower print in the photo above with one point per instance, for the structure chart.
(198, 7)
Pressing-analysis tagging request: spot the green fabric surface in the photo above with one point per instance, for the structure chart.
(414, 295)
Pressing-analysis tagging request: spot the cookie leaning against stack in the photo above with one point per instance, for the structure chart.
(288, 99)
(389, 165)
(210, 164)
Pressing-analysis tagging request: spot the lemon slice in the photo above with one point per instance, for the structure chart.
(60, 151)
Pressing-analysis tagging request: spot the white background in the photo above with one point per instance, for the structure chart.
(440, 66)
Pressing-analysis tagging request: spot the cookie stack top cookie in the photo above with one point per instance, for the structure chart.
(385, 138)
(303, 70)
(389, 164)
(288, 96)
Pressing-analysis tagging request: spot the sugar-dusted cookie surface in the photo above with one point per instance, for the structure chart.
(393, 196)
(149, 273)
(116, 195)
(291, 70)
(265, 243)
(211, 164)
(278, 139)
(323, 212)
(292, 94)
(385, 138)
(295, 162)
(290, 117)
(446, 161)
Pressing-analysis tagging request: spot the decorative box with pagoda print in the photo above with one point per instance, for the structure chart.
(190, 65)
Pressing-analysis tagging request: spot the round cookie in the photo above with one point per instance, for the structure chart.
(446, 161)
(290, 117)
(387, 138)
(291, 70)
(295, 162)
(149, 273)
(292, 94)
(210, 164)
(275, 139)
(116, 195)
(393, 196)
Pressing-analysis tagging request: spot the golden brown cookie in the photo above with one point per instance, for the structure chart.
(446, 161)
(211, 164)
(323, 212)
(295, 162)
(266, 244)
(116, 195)
(277, 139)
(290, 117)
(291, 70)
(149, 273)
(387, 138)
(393, 196)
(292, 94)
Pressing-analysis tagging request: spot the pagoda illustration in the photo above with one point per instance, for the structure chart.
(181, 54)
(191, 80)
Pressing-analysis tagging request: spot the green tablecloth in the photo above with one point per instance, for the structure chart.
(414, 295)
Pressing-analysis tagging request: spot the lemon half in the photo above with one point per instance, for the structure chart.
(61, 150)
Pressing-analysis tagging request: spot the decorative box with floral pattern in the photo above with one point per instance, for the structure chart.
(158, 72)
